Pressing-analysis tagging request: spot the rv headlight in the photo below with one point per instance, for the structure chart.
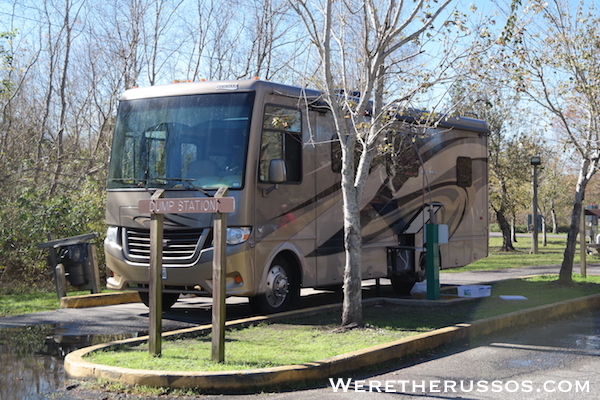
(112, 234)
(238, 235)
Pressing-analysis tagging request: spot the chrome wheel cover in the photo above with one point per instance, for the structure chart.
(277, 286)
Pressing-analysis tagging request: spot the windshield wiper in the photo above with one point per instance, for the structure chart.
(143, 183)
(191, 183)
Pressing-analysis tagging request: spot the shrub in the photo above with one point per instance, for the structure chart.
(32, 217)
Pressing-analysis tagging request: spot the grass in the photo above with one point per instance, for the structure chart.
(18, 300)
(315, 338)
(551, 254)
(25, 303)
(253, 347)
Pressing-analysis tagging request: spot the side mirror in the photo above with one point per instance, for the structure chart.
(277, 172)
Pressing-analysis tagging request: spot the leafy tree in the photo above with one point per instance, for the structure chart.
(509, 148)
(556, 64)
(552, 196)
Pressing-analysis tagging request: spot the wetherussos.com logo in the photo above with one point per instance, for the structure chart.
(463, 386)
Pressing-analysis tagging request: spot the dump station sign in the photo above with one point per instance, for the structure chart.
(187, 206)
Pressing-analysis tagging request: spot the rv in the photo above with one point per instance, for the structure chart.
(274, 148)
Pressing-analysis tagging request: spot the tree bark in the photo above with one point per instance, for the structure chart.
(352, 303)
(554, 220)
(566, 269)
(506, 232)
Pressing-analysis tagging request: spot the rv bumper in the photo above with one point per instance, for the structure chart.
(196, 278)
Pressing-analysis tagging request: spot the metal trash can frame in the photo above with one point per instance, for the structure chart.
(74, 259)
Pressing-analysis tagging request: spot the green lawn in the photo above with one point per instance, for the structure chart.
(15, 301)
(551, 254)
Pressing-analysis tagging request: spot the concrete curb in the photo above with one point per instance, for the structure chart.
(101, 299)
(249, 381)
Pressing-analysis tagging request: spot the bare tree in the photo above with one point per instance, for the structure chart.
(268, 34)
(162, 45)
(361, 46)
(71, 14)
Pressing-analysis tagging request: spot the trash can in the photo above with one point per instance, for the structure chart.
(74, 260)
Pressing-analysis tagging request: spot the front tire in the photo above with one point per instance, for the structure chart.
(282, 289)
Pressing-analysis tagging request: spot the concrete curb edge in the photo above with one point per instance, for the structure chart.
(249, 381)
(99, 299)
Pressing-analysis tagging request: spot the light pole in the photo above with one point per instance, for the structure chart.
(535, 161)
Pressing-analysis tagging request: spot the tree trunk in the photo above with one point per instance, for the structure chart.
(352, 303)
(544, 234)
(506, 233)
(566, 269)
(513, 229)
(60, 150)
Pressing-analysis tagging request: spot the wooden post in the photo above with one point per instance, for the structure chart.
(219, 280)
(155, 296)
(219, 206)
(61, 281)
(91, 266)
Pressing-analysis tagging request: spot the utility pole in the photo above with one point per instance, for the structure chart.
(535, 161)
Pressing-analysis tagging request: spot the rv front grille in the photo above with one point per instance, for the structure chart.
(179, 247)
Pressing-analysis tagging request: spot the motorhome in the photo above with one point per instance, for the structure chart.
(274, 148)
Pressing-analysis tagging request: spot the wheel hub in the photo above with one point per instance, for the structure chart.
(277, 286)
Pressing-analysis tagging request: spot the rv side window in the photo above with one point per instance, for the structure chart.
(464, 172)
(281, 139)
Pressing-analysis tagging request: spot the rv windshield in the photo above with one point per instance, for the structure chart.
(183, 142)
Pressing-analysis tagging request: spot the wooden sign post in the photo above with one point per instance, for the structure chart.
(157, 206)
(155, 295)
(219, 280)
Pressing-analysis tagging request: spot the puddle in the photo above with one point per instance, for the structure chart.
(32, 359)
(590, 342)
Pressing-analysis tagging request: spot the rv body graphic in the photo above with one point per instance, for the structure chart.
(274, 147)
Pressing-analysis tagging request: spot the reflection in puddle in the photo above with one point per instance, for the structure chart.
(591, 342)
(32, 357)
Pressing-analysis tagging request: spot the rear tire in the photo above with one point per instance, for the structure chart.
(282, 289)
(168, 299)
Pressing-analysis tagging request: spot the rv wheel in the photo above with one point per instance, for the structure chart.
(281, 289)
(168, 299)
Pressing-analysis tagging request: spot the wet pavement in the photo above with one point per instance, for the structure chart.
(32, 358)
(33, 346)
